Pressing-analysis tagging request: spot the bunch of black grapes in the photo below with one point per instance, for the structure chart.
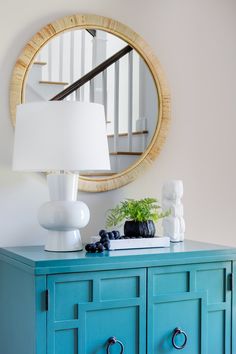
(104, 243)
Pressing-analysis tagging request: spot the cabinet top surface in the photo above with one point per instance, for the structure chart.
(36, 257)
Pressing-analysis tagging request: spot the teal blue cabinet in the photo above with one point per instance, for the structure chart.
(158, 301)
(194, 298)
(85, 310)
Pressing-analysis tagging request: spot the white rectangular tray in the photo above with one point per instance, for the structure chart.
(132, 243)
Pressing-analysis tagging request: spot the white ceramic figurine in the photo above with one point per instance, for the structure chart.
(173, 225)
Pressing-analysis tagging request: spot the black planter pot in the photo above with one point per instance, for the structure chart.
(138, 228)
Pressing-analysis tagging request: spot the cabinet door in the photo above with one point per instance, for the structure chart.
(195, 299)
(85, 310)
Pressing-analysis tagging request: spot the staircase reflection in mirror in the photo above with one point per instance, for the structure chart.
(97, 66)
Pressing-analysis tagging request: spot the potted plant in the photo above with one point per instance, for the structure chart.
(139, 216)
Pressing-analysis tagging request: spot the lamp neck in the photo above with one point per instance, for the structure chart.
(63, 186)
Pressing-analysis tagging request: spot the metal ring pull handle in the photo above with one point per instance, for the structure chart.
(177, 332)
(111, 341)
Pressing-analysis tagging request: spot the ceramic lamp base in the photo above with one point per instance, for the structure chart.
(63, 215)
(63, 241)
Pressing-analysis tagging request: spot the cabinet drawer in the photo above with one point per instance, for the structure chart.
(195, 298)
(85, 310)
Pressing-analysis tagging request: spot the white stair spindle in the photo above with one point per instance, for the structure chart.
(50, 61)
(61, 57)
(130, 101)
(79, 63)
(72, 39)
(80, 92)
(39, 57)
(104, 91)
(91, 83)
(91, 90)
(99, 55)
(116, 104)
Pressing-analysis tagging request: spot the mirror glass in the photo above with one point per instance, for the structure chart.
(126, 88)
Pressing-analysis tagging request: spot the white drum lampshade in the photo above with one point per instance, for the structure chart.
(61, 136)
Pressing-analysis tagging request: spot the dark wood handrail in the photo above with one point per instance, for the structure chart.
(91, 74)
(91, 31)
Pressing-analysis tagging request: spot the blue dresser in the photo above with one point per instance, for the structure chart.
(155, 301)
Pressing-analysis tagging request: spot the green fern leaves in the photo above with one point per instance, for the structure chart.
(137, 210)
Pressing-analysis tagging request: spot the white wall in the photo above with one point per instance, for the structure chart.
(195, 42)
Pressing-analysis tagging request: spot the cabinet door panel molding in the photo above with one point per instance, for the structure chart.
(146, 299)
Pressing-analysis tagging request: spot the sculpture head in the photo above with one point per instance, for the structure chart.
(172, 190)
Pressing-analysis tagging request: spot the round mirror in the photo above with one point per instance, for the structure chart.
(95, 59)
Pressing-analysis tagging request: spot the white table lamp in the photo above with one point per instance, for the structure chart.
(66, 138)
